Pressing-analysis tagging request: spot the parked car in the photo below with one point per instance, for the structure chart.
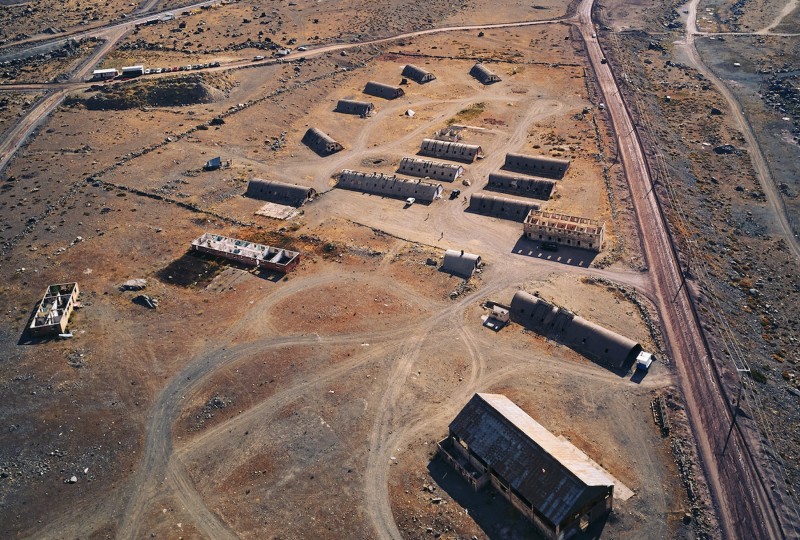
(410, 201)
(454, 194)
(549, 246)
(257, 58)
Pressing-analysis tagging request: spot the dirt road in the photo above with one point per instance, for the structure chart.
(741, 495)
(753, 148)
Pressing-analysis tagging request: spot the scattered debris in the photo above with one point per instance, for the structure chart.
(146, 301)
(134, 285)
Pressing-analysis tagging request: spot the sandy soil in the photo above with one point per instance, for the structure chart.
(244, 395)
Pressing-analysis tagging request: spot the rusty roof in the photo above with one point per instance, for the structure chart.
(554, 476)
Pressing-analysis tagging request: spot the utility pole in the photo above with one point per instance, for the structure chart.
(736, 409)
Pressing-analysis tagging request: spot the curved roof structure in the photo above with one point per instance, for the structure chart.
(537, 165)
(381, 90)
(483, 74)
(460, 263)
(418, 74)
(279, 192)
(389, 185)
(320, 142)
(536, 188)
(585, 337)
(500, 207)
(455, 151)
(422, 168)
(350, 106)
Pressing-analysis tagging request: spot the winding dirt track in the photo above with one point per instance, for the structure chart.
(741, 494)
(753, 148)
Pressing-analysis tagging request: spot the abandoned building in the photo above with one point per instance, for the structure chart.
(424, 168)
(417, 74)
(460, 264)
(582, 336)
(563, 229)
(279, 192)
(500, 207)
(483, 74)
(53, 311)
(455, 151)
(320, 142)
(349, 106)
(449, 133)
(249, 253)
(381, 90)
(389, 185)
(536, 188)
(550, 481)
(537, 165)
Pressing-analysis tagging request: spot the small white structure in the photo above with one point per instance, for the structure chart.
(643, 361)
(104, 74)
(497, 319)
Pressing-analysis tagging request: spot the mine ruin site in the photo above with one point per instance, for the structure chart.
(325, 270)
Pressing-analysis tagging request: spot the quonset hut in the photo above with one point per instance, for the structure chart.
(460, 264)
(537, 165)
(500, 207)
(549, 480)
(455, 151)
(417, 74)
(381, 90)
(389, 185)
(279, 192)
(536, 188)
(423, 168)
(582, 336)
(320, 142)
(349, 106)
(483, 74)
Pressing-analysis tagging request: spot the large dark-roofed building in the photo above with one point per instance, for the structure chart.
(381, 90)
(418, 74)
(279, 192)
(350, 106)
(554, 484)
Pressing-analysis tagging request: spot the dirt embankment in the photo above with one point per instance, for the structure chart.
(167, 92)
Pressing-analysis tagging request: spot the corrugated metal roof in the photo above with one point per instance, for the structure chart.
(460, 263)
(551, 474)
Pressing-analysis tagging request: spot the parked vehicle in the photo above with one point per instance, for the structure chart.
(549, 246)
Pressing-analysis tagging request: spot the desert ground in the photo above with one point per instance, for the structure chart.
(259, 405)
